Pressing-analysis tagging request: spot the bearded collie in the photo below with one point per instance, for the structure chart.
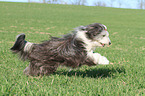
(71, 50)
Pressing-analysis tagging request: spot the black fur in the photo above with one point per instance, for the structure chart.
(93, 30)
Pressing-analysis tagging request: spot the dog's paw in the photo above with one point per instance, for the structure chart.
(103, 60)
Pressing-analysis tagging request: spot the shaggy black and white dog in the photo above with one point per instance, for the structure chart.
(72, 50)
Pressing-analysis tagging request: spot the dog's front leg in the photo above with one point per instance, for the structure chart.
(98, 59)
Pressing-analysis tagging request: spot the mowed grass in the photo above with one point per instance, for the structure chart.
(125, 76)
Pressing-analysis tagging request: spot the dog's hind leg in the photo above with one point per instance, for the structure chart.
(36, 69)
(33, 69)
(47, 70)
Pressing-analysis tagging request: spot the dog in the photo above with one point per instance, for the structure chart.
(72, 50)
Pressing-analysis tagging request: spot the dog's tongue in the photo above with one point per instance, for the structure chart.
(103, 45)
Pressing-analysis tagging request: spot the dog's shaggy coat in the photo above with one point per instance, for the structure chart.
(72, 50)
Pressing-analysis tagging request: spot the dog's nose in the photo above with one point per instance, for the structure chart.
(109, 43)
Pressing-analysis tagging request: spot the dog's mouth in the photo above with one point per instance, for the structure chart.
(105, 44)
(102, 44)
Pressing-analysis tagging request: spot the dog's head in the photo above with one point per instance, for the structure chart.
(97, 32)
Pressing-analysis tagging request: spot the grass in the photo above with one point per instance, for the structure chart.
(124, 77)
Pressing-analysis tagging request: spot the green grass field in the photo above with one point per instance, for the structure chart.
(124, 77)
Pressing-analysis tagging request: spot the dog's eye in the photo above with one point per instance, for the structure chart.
(104, 35)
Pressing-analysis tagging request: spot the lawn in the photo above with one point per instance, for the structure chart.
(125, 76)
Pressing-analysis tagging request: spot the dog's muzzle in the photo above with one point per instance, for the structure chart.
(105, 44)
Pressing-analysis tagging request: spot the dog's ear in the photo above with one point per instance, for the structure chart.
(91, 34)
(93, 30)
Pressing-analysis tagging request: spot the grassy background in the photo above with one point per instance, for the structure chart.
(124, 77)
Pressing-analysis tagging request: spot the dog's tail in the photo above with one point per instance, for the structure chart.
(22, 47)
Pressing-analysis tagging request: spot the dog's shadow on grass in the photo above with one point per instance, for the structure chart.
(94, 73)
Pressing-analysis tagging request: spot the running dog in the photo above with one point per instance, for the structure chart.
(71, 50)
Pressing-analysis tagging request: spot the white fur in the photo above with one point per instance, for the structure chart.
(97, 58)
(104, 40)
(90, 45)
(104, 27)
(28, 47)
